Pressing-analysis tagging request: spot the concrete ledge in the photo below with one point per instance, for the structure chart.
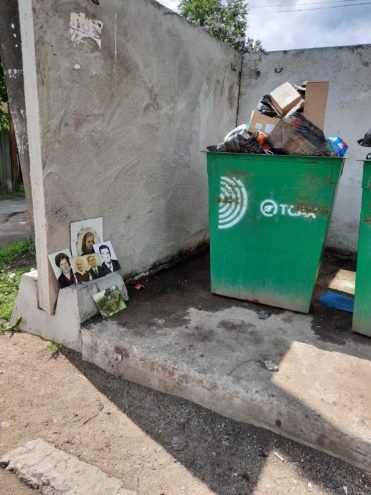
(54, 472)
(287, 403)
(74, 306)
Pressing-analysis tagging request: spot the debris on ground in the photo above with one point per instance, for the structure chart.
(263, 315)
(271, 365)
(279, 456)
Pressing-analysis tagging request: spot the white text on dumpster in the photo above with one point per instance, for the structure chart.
(270, 208)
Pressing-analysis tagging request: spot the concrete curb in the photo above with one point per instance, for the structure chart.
(43, 467)
(252, 403)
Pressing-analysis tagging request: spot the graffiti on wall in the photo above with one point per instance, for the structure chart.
(82, 27)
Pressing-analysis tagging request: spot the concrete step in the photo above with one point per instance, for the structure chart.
(319, 397)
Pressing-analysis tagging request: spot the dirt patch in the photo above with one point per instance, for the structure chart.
(156, 444)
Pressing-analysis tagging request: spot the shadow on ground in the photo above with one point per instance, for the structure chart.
(227, 455)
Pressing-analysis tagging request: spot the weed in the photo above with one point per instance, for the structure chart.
(15, 260)
(11, 328)
(54, 348)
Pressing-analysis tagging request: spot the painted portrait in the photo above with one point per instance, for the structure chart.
(84, 234)
(62, 268)
(109, 301)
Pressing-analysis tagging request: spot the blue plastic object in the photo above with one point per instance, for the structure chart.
(337, 301)
(338, 145)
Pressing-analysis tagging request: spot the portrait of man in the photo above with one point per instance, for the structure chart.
(95, 271)
(66, 278)
(81, 274)
(109, 265)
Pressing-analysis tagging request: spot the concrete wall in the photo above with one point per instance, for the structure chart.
(348, 113)
(120, 136)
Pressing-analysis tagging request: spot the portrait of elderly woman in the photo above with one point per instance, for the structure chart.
(62, 268)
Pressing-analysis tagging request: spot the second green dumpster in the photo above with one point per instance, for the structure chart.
(362, 306)
(268, 220)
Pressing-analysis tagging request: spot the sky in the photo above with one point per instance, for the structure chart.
(342, 22)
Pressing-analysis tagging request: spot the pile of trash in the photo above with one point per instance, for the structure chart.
(366, 141)
(287, 121)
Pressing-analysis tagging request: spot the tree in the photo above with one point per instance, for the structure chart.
(226, 21)
(4, 120)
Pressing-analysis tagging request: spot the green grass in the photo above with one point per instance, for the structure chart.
(6, 195)
(11, 252)
(54, 349)
(15, 260)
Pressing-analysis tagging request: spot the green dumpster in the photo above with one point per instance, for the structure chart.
(362, 298)
(269, 216)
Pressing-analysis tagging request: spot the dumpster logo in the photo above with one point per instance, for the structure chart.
(232, 202)
(271, 208)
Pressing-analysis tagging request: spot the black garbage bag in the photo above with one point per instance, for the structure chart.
(366, 140)
(296, 135)
(240, 140)
(265, 107)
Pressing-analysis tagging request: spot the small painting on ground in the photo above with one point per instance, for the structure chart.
(84, 234)
(109, 301)
(61, 264)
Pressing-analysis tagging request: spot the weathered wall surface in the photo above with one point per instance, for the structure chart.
(121, 135)
(348, 113)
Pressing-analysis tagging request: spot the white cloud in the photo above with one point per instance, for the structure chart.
(306, 29)
(309, 28)
(171, 4)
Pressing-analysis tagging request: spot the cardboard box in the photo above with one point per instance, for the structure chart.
(296, 108)
(315, 102)
(284, 98)
(262, 123)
